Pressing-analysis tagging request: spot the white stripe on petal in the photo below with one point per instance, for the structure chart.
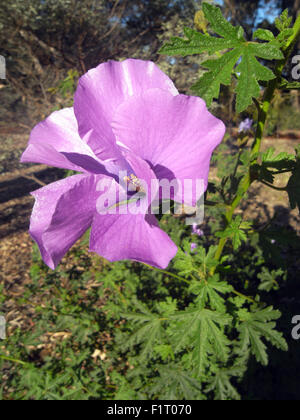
(128, 80)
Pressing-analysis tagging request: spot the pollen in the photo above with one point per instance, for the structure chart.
(134, 182)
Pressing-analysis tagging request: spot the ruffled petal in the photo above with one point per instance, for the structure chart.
(103, 89)
(175, 134)
(56, 142)
(63, 211)
(131, 237)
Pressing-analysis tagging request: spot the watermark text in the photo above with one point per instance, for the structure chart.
(296, 69)
(2, 67)
(135, 196)
(296, 329)
(2, 328)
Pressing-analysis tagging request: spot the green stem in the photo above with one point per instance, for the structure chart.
(167, 273)
(262, 118)
(243, 296)
(10, 359)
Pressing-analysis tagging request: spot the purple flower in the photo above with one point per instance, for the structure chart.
(193, 246)
(127, 116)
(245, 125)
(197, 231)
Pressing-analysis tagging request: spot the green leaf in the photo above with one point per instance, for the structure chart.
(165, 351)
(184, 262)
(236, 232)
(205, 261)
(168, 307)
(202, 330)
(289, 85)
(148, 331)
(173, 381)
(124, 390)
(209, 291)
(269, 279)
(254, 326)
(269, 158)
(200, 262)
(283, 36)
(219, 24)
(249, 71)
(196, 43)
(208, 87)
(272, 164)
(221, 384)
(284, 21)
(266, 51)
(264, 35)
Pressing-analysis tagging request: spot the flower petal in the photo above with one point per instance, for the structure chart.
(63, 211)
(103, 89)
(176, 134)
(132, 237)
(56, 142)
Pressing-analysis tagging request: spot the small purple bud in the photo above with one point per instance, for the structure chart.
(193, 246)
(197, 231)
(245, 125)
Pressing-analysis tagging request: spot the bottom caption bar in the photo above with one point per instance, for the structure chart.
(145, 409)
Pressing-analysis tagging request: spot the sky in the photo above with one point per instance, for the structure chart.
(265, 11)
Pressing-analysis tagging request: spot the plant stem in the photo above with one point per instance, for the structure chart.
(243, 296)
(262, 118)
(10, 359)
(273, 186)
(167, 273)
(284, 171)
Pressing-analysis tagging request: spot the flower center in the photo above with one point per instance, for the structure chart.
(134, 183)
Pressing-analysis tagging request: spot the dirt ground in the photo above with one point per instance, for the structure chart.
(17, 181)
(264, 202)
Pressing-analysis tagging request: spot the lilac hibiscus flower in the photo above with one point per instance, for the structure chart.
(127, 116)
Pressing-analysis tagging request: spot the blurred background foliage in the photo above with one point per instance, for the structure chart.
(43, 40)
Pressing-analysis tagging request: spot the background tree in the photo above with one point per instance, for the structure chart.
(43, 40)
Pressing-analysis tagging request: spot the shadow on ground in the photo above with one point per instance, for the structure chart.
(16, 202)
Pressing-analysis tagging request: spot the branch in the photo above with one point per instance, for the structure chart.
(122, 9)
(33, 178)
